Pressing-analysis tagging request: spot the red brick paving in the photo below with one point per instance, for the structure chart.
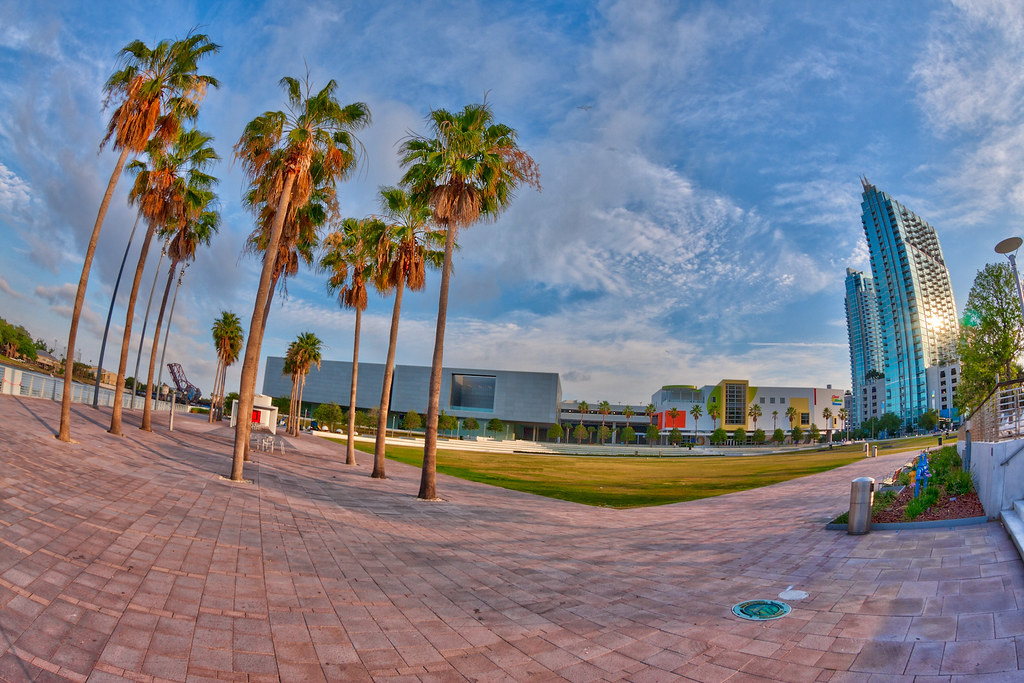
(132, 559)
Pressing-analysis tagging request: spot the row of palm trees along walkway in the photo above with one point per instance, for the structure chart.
(467, 168)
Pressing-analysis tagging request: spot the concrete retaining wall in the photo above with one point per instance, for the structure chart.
(997, 484)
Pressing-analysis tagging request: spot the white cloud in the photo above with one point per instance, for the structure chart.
(8, 290)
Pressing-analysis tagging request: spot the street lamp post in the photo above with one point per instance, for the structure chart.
(1009, 247)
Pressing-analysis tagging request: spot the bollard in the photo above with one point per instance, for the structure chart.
(874, 451)
(867, 451)
(862, 494)
(170, 425)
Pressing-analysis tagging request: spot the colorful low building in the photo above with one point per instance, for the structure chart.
(734, 404)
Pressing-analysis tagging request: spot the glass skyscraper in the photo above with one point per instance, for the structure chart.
(917, 321)
(865, 339)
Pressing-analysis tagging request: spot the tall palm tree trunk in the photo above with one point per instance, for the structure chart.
(302, 389)
(292, 402)
(250, 361)
(350, 457)
(428, 477)
(126, 340)
(145, 324)
(110, 314)
(223, 392)
(385, 392)
(64, 433)
(213, 393)
(147, 405)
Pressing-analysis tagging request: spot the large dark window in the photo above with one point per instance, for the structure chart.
(472, 392)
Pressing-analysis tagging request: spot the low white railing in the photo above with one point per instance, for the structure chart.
(18, 382)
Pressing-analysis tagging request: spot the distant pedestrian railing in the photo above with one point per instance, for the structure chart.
(18, 382)
(1001, 416)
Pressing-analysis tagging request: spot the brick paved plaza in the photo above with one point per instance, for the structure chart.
(132, 559)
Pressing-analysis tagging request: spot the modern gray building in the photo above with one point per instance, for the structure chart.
(528, 400)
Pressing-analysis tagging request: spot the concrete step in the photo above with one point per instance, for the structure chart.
(1013, 522)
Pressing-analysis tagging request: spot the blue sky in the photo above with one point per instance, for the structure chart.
(700, 165)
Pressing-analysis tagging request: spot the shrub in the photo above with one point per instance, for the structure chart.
(925, 501)
(904, 478)
(719, 436)
(412, 420)
(943, 463)
(959, 483)
(883, 500)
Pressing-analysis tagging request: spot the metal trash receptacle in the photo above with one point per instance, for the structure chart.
(862, 494)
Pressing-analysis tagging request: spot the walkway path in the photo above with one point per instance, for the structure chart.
(131, 558)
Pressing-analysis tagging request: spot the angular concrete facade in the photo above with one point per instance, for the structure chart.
(530, 398)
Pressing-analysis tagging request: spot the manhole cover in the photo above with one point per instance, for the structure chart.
(761, 610)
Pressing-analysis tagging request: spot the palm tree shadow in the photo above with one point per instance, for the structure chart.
(36, 417)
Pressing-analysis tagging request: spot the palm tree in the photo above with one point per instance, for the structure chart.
(843, 415)
(290, 368)
(604, 408)
(469, 170)
(303, 353)
(628, 412)
(754, 412)
(713, 412)
(583, 407)
(160, 190)
(299, 235)
(403, 252)
(227, 339)
(194, 226)
(155, 91)
(673, 413)
(827, 414)
(791, 413)
(280, 152)
(775, 420)
(649, 411)
(349, 262)
(696, 411)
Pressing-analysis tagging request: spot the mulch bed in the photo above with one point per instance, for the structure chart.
(946, 507)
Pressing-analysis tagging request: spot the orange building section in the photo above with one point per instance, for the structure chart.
(665, 420)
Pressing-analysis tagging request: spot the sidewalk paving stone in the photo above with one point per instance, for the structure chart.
(132, 558)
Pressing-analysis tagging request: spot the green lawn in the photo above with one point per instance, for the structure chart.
(624, 482)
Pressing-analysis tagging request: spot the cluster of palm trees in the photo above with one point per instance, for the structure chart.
(466, 168)
(227, 340)
(303, 353)
(155, 95)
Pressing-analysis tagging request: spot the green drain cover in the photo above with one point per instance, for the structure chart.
(761, 610)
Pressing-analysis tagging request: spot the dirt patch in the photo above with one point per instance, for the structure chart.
(946, 507)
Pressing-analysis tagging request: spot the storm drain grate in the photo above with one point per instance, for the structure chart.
(761, 610)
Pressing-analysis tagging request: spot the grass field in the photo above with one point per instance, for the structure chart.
(623, 482)
(626, 482)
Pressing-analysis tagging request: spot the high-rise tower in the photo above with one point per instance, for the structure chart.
(865, 338)
(916, 311)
